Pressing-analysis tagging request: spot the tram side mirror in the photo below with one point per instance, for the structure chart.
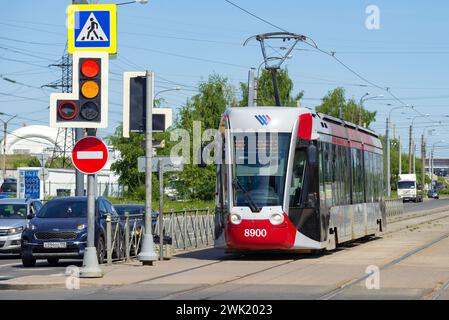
(312, 155)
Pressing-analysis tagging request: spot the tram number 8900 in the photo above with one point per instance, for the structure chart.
(258, 233)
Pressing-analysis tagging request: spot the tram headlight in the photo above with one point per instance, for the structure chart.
(235, 218)
(276, 218)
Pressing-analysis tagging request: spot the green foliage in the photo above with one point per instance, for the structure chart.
(394, 163)
(206, 107)
(351, 110)
(126, 166)
(265, 90)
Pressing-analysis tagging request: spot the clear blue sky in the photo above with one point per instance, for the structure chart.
(409, 53)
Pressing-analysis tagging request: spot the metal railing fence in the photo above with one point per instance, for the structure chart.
(186, 229)
(394, 207)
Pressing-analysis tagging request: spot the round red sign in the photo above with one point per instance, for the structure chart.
(89, 155)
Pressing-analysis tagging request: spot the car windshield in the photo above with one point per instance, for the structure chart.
(406, 185)
(260, 166)
(13, 211)
(9, 187)
(63, 209)
(131, 210)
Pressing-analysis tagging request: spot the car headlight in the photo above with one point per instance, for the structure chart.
(81, 227)
(276, 218)
(15, 230)
(235, 218)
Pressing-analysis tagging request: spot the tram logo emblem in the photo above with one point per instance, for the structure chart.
(264, 119)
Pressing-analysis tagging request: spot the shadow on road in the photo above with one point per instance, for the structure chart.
(9, 256)
(45, 264)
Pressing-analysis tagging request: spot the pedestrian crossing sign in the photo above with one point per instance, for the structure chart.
(92, 27)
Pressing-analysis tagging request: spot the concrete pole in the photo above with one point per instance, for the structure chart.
(387, 147)
(251, 88)
(423, 162)
(410, 150)
(400, 156)
(161, 210)
(414, 158)
(147, 255)
(5, 126)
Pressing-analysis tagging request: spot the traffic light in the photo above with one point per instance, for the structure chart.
(87, 105)
(134, 106)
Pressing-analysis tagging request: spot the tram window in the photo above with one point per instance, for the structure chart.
(260, 167)
(327, 174)
(296, 185)
(357, 176)
(321, 173)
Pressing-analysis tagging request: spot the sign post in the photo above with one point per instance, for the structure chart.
(147, 255)
(161, 165)
(89, 156)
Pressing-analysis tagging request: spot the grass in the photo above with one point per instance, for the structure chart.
(169, 204)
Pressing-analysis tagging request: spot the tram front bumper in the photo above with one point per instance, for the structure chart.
(260, 235)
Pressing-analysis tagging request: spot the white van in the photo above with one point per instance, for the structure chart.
(407, 188)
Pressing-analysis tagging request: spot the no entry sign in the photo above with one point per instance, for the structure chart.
(89, 155)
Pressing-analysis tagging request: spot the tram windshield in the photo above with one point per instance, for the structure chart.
(259, 168)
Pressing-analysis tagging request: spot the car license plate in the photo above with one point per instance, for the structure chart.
(55, 245)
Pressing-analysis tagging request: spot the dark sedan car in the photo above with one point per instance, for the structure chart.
(433, 194)
(136, 212)
(59, 231)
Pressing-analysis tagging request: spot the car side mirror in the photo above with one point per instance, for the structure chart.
(30, 216)
(312, 155)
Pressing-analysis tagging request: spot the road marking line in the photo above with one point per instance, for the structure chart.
(89, 154)
(10, 264)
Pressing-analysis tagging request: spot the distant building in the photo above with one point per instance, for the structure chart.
(440, 166)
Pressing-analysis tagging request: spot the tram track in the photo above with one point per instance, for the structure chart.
(346, 284)
(351, 283)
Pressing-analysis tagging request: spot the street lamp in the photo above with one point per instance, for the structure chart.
(431, 159)
(410, 142)
(387, 146)
(166, 90)
(131, 2)
(363, 99)
(5, 129)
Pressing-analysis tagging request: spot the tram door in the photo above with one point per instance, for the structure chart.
(303, 198)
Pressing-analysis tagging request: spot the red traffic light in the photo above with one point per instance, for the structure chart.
(90, 68)
(67, 110)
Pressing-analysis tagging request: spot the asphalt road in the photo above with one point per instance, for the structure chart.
(407, 276)
(427, 204)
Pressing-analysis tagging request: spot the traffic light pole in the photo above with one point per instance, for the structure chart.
(79, 176)
(91, 267)
(147, 255)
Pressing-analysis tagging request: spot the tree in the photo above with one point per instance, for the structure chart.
(206, 107)
(351, 110)
(265, 90)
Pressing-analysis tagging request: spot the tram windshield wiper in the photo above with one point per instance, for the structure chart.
(253, 205)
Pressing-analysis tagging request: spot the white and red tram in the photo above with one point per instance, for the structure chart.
(322, 185)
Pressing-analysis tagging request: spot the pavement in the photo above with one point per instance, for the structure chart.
(412, 256)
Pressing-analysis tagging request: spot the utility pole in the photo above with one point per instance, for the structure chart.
(5, 131)
(414, 157)
(410, 150)
(251, 87)
(147, 254)
(423, 162)
(387, 147)
(400, 156)
(79, 134)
